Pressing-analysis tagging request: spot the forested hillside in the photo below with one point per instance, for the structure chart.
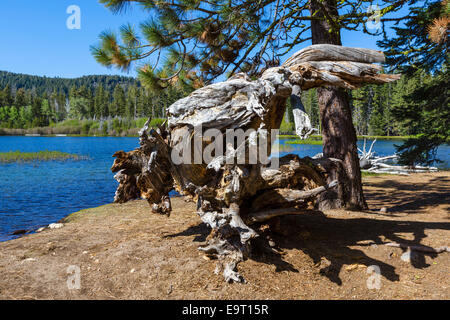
(375, 108)
(112, 104)
(41, 85)
(88, 105)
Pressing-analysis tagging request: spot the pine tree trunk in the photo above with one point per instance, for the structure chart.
(338, 132)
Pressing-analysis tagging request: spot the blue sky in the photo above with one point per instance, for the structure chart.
(35, 39)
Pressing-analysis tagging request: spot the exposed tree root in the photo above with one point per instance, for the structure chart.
(231, 191)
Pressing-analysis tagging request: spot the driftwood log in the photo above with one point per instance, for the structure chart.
(234, 194)
(369, 162)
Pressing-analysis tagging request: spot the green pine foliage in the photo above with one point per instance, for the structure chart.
(377, 110)
(193, 42)
(421, 101)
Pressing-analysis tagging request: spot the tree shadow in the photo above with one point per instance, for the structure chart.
(263, 252)
(200, 231)
(409, 197)
(332, 239)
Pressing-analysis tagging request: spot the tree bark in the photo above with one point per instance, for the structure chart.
(338, 132)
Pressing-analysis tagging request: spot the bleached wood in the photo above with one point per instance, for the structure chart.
(230, 196)
(329, 52)
(344, 74)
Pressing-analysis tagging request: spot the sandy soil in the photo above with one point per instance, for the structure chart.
(125, 252)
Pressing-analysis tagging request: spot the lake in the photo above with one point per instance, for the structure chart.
(36, 194)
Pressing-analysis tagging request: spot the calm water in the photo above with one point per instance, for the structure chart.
(381, 148)
(37, 194)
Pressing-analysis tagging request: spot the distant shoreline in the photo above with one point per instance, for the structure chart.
(6, 132)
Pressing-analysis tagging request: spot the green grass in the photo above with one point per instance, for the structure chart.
(46, 155)
(317, 139)
(293, 136)
(310, 140)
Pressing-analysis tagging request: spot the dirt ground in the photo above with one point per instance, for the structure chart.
(125, 252)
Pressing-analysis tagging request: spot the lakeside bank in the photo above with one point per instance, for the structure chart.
(28, 203)
(123, 251)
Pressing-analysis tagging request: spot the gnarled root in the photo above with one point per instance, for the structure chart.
(163, 207)
(127, 189)
(230, 239)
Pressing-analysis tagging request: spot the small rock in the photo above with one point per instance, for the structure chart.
(84, 252)
(169, 291)
(406, 256)
(55, 225)
(272, 243)
(132, 270)
(29, 260)
(97, 261)
(40, 229)
(409, 256)
(383, 210)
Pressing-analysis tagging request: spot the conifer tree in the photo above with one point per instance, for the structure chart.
(131, 103)
(119, 103)
(20, 99)
(311, 103)
(198, 41)
(61, 112)
(36, 111)
(7, 96)
(420, 51)
(361, 102)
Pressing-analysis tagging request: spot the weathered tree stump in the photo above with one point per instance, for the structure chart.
(232, 191)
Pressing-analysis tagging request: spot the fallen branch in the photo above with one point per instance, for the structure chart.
(370, 163)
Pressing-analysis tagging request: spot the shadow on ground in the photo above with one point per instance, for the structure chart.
(330, 239)
(409, 197)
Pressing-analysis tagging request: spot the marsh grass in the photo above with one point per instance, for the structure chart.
(306, 141)
(45, 155)
(319, 137)
(282, 148)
